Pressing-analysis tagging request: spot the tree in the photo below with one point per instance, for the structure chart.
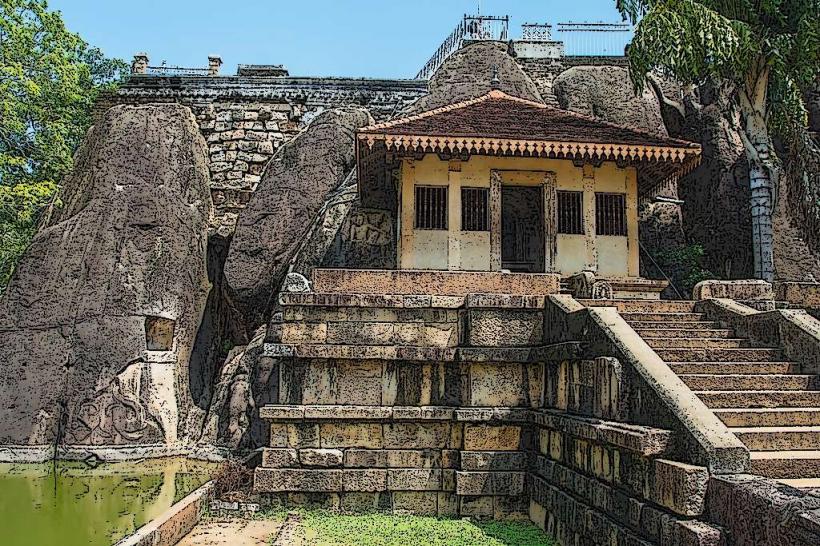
(769, 50)
(49, 80)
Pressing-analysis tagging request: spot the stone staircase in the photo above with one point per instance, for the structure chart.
(771, 407)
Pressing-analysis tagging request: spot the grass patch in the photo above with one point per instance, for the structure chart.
(327, 529)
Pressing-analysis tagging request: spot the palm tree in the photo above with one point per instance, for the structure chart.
(769, 50)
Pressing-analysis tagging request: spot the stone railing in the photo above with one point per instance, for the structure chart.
(666, 400)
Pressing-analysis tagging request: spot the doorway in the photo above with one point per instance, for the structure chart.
(522, 229)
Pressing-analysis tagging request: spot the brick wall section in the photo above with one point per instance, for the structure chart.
(245, 119)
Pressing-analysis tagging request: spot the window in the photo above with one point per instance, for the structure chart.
(431, 207)
(475, 210)
(610, 214)
(571, 212)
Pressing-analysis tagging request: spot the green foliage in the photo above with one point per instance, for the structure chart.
(49, 80)
(737, 40)
(323, 528)
(688, 261)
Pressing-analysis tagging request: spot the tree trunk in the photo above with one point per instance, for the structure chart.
(758, 152)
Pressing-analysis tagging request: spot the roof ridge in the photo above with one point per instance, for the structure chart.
(501, 95)
(492, 94)
(643, 132)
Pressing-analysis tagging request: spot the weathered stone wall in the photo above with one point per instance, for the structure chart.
(245, 120)
(417, 404)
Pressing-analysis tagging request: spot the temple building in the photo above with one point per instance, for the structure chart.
(503, 183)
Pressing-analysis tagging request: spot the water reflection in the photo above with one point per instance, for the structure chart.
(89, 507)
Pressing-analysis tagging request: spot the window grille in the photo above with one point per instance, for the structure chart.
(431, 207)
(571, 212)
(610, 214)
(475, 210)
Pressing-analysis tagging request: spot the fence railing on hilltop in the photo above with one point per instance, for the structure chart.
(471, 28)
(579, 39)
(594, 39)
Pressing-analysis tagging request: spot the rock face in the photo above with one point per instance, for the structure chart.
(468, 73)
(606, 92)
(97, 325)
(293, 189)
(246, 382)
(716, 194)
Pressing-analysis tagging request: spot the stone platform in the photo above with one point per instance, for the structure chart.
(503, 406)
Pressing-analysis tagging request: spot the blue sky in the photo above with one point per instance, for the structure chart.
(374, 38)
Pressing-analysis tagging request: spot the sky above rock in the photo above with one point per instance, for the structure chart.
(372, 38)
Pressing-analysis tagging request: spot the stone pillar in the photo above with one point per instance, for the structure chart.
(589, 218)
(140, 64)
(550, 222)
(407, 196)
(632, 224)
(495, 220)
(214, 62)
(454, 214)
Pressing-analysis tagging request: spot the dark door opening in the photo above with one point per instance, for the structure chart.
(522, 229)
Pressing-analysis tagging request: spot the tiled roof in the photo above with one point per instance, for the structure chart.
(499, 116)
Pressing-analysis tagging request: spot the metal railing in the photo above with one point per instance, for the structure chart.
(536, 32)
(471, 28)
(594, 39)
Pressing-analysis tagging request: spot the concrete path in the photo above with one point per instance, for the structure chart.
(233, 532)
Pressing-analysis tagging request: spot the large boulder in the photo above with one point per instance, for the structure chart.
(716, 194)
(468, 73)
(606, 92)
(247, 381)
(97, 324)
(294, 187)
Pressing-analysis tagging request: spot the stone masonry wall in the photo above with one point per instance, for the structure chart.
(245, 119)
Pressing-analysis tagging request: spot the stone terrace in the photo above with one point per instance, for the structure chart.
(507, 406)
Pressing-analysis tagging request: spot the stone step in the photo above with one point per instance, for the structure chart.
(695, 343)
(733, 368)
(663, 317)
(674, 326)
(643, 306)
(686, 333)
(740, 382)
(745, 354)
(786, 464)
(778, 438)
(769, 417)
(759, 399)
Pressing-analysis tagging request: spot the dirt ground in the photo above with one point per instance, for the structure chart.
(233, 532)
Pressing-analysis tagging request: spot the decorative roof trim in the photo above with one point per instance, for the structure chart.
(538, 148)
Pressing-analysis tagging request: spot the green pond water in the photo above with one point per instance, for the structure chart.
(77, 505)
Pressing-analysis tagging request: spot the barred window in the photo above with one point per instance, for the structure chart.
(475, 210)
(571, 212)
(431, 207)
(610, 214)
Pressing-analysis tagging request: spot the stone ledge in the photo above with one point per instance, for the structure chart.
(361, 352)
(546, 353)
(390, 301)
(451, 283)
(505, 301)
(646, 441)
(344, 412)
(174, 523)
